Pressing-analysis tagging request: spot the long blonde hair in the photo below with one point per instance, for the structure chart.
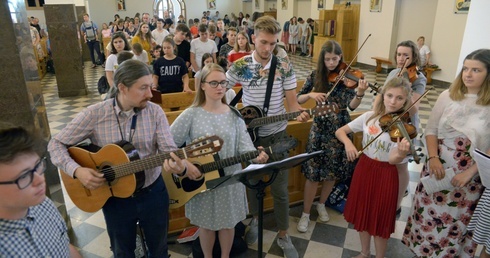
(396, 82)
(200, 98)
(457, 90)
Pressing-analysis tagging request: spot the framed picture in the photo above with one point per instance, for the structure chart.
(462, 6)
(257, 4)
(284, 4)
(320, 4)
(211, 4)
(375, 6)
(121, 5)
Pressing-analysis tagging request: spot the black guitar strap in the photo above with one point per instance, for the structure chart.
(270, 82)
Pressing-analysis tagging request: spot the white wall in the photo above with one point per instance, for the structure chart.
(446, 40)
(303, 8)
(410, 27)
(477, 17)
(380, 25)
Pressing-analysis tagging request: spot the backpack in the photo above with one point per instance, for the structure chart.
(103, 85)
(90, 31)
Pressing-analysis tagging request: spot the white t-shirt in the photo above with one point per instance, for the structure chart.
(159, 36)
(111, 63)
(424, 50)
(199, 48)
(143, 57)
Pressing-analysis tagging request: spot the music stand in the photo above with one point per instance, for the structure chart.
(271, 169)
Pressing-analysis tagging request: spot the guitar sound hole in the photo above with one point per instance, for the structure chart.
(109, 173)
(191, 185)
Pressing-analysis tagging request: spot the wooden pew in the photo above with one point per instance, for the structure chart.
(380, 61)
(173, 101)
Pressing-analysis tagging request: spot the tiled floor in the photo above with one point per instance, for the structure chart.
(333, 239)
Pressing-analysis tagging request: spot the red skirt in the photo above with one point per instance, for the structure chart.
(372, 199)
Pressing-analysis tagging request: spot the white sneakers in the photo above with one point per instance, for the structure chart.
(304, 221)
(322, 212)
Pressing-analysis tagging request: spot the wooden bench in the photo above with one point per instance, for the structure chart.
(380, 61)
(428, 73)
(173, 101)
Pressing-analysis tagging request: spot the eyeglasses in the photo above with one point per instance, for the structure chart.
(215, 84)
(25, 179)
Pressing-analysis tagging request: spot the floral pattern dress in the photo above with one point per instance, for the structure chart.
(437, 225)
(332, 164)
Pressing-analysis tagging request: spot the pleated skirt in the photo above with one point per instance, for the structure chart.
(372, 199)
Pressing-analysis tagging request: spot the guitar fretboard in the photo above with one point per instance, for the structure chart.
(256, 122)
(143, 164)
(222, 163)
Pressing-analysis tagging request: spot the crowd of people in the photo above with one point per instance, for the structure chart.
(242, 50)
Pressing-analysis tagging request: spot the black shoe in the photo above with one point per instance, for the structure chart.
(399, 211)
(94, 65)
(406, 193)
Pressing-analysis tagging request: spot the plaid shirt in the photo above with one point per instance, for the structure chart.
(42, 233)
(99, 124)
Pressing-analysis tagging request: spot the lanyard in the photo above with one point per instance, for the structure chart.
(133, 124)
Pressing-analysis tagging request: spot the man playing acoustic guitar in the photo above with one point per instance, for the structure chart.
(129, 117)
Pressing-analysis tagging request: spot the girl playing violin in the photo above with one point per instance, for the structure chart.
(407, 55)
(332, 164)
(372, 199)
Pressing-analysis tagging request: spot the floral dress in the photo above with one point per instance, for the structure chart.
(437, 225)
(332, 164)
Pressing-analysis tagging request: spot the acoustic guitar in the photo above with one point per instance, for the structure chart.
(254, 116)
(123, 169)
(182, 189)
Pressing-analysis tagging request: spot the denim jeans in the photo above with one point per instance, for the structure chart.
(150, 208)
(95, 45)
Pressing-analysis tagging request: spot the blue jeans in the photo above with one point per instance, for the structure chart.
(150, 208)
(95, 45)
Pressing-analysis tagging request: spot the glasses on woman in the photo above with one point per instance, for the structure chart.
(26, 178)
(215, 84)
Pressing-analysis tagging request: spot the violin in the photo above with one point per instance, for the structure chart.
(400, 128)
(410, 70)
(354, 75)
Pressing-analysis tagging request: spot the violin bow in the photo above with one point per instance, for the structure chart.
(395, 120)
(404, 68)
(341, 76)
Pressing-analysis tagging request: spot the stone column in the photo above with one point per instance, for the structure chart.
(62, 25)
(21, 98)
(80, 10)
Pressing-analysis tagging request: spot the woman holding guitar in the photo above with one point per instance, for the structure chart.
(333, 164)
(221, 209)
(407, 59)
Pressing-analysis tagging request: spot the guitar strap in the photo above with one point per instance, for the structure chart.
(270, 82)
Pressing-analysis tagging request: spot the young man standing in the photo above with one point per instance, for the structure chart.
(226, 48)
(183, 46)
(200, 46)
(30, 224)
(159, 33)
(303, 36)
(128, 115)
(266, 35)
(91, 37)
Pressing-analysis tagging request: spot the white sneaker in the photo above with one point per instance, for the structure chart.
(303, 223)
(322, 212)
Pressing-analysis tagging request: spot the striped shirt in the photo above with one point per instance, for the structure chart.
(253, 78)
(41, 233)
(99, 124)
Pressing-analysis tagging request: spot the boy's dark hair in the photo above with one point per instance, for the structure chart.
(123, 56)
(16, 140)
(196, 20)
(203, 28)
(223, 62)
(137, 48)
(182, 27)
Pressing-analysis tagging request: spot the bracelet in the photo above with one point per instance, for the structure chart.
(183, 173)
(359, 96)
(432, 157)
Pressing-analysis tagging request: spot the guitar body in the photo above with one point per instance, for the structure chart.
(123, 187)
(249, 113)
(181, 190)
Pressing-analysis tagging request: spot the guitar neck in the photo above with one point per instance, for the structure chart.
(222, 163)
(261, 121)
(135, 166)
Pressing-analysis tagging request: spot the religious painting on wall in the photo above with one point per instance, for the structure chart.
(462, 6)
(284, 4)
(211, 4)
(121, 5)
(320, 4)
(375, 6)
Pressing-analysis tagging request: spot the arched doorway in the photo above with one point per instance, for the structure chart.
(174, 7)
